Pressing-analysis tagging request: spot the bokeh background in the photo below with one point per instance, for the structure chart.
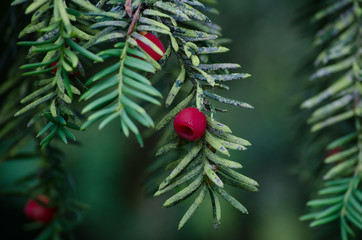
(271, 42)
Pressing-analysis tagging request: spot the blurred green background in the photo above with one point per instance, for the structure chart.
(272, 48)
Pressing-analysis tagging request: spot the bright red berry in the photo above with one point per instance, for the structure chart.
(39, 212)
(190, 123)
(149, 50)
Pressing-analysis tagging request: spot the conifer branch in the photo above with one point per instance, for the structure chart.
(57, 25)
(51, 180)
(192, 39)
(65, 32)
(339, 63)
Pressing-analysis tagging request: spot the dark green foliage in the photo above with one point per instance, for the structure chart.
(338, 103)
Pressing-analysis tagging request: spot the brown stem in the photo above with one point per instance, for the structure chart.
(134, 20)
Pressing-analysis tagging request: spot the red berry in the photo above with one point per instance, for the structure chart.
(149, 50)
(76, 73)
(39, 212)
(55, 69)
(190, 123)
(334, 151)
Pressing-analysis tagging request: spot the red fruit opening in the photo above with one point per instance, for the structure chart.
(190, 124)
(186, 131)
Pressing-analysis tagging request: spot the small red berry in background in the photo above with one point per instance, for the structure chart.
(149, 50)
(39, 212)
(190, 123)
(334, 151)
(54, 71)
(76, 73)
